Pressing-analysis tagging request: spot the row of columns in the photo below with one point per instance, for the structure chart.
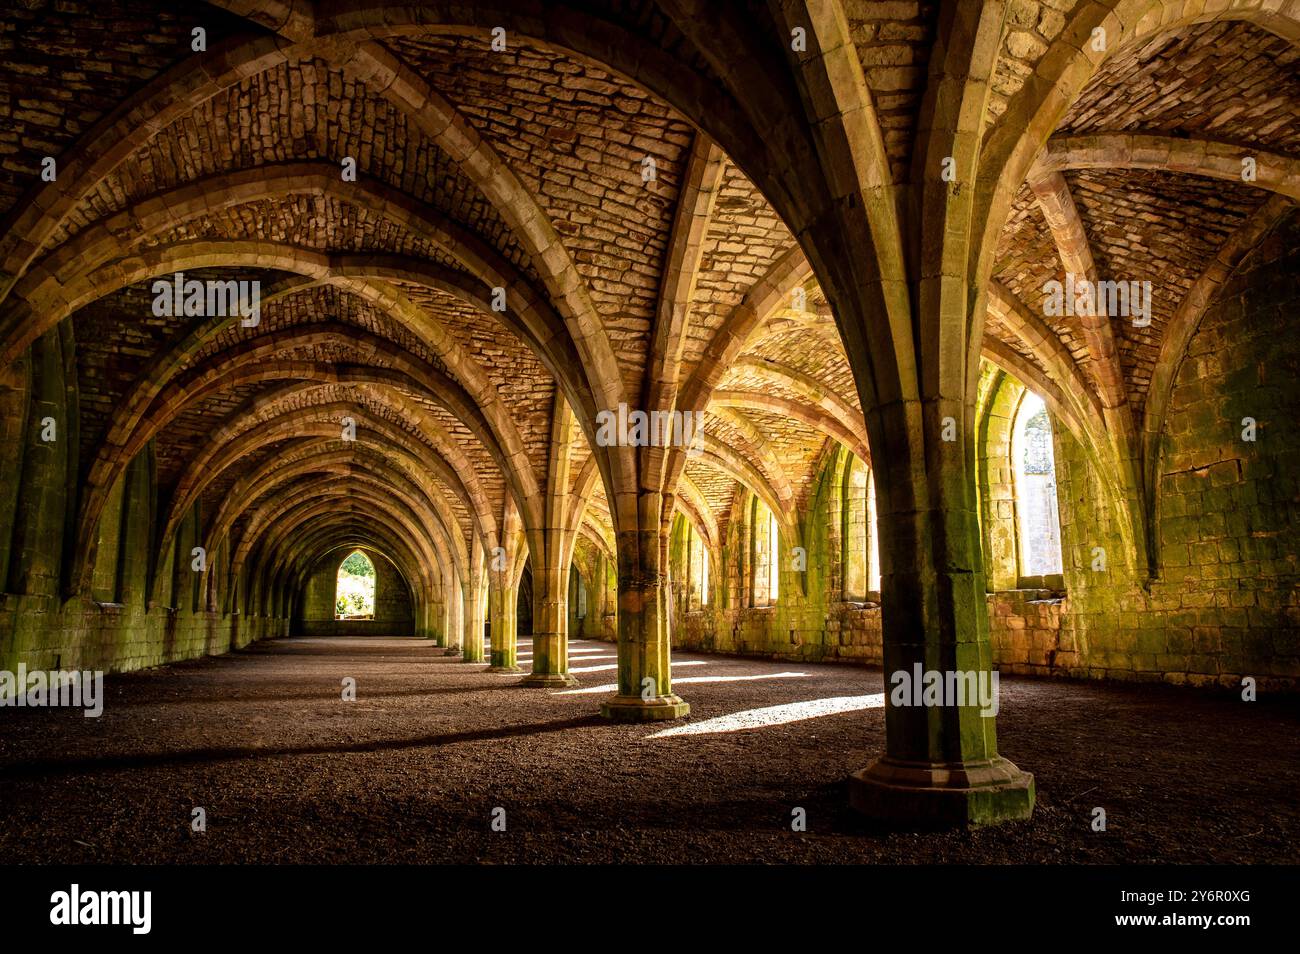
(503, 616)
(644, 641)
(465, 616)
(941, 763)
(644, 676)
(551, 618)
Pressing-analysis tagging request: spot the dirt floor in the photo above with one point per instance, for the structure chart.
(414, 768)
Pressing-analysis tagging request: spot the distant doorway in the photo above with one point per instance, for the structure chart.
(354, 596)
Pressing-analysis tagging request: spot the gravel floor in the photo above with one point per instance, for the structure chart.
(413, 769)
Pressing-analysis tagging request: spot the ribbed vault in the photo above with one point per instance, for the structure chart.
(466, 255)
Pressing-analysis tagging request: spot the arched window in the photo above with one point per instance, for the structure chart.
(1038, 526)
(861, 556)
(698, 569)
(873, 538)
(579, 592)
(854, 560)
(764, 555)
(354, 596)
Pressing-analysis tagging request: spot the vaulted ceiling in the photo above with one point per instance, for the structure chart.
(636, 256)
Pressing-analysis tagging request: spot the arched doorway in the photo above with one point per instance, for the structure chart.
(354, 593)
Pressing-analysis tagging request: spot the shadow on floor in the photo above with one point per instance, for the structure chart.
(46, 767)
(330, 695)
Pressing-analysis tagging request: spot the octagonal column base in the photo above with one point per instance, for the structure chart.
(636, 709)
(549, 680)
(942, 795)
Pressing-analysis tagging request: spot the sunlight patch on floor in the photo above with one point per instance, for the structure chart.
(775, 715)
(613, 687)
(686, 662)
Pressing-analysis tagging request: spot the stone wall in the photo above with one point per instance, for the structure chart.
(393, 613)
(134, 614)
(1024, 631)
(39, 633)
(1224, 601)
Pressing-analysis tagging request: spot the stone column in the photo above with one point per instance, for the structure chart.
(431, 618)
(438, 620)
(472, 650)
(41, 504)
(503, 598)
(941, 763)
(644, 641)
(455, 617)
(551, 618)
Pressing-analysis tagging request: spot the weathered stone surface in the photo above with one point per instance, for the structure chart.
(653, 217)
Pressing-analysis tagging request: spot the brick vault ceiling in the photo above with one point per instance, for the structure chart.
(238, 179)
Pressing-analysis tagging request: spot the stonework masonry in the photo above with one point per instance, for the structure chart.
(839, 254)
(1225, 603)
(392, 612)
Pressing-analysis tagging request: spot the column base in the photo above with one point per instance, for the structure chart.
(549, 680)
(942, 795)
(636, 709)
(469, 659)
(506, 669)
(451, 651)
